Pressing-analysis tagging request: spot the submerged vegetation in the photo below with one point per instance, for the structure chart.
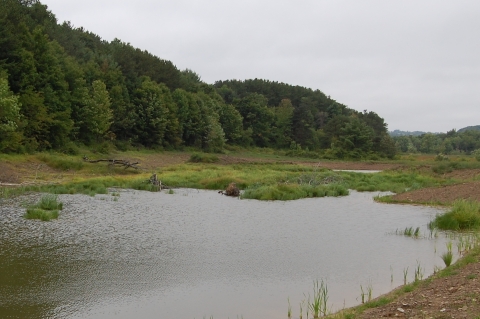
(46, 209)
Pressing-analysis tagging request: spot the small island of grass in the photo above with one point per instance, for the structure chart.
(46, 209)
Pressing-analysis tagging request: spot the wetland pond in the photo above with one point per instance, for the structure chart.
(197, 254)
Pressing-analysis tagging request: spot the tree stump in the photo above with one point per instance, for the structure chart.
(232, 190)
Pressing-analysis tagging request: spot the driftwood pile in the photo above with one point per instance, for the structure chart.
(112, 162)
(232, 190)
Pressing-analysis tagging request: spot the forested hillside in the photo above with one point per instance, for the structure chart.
(62, 86)
(469, 128)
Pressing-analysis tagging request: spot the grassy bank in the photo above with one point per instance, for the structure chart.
(264, 181)
(267, 180)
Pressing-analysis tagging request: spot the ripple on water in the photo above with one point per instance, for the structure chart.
(196, 253)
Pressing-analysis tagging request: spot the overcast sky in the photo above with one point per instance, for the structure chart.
(414, 62)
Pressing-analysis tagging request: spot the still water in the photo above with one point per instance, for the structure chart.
(196, 254)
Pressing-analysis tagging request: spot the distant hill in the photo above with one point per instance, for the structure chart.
(469, 128)
(405, 133)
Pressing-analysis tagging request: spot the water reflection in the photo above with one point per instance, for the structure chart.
(197, 253)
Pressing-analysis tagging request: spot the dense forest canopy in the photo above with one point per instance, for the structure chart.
(452, 142)
(62, 86)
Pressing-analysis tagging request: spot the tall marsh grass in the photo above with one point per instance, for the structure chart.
(447, 257)
(46, 209)
(319, 305)
(464, 215)
(293, 191)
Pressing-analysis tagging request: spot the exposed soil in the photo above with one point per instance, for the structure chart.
(455, 296)
(442, 195)
(8, 174)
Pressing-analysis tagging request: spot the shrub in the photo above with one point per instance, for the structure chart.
(441, 157)
(203, 158)
(70, 148)
(476, 153)
(103, 148)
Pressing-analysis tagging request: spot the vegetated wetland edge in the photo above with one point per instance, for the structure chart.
(267, 175)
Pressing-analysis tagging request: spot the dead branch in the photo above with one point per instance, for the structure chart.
(111, 162)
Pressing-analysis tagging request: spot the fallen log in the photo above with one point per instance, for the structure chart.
(111, 162)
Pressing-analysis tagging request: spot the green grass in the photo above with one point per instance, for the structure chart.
(447, 257)
(318, 306)
(203, 158)
(409, 232)
(264, 181)
(292, 191)
(46, 209)
(50, 202)
(61, 161)
(464, 215)
(44, 215)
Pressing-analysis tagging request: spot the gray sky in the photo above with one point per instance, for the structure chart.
(414, 62)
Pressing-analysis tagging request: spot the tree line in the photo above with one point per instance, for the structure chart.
(61, 86)
(452, 142)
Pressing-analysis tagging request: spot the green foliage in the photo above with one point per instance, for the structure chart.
(452, 142)
(292, 191)
(46, 209)
(61, 162)
(44, 215)
(464, 215)
(203, 158)
(91, 187)
(96, 115)
(447, 258)
(476, 153)
(49, 202)
(68, 86)
(9, 118)
(441, 157)
(9, 108)
(319, 305)
(257, 117)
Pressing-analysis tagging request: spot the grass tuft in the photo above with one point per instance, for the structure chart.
(44, 215)
(464, 215)
(46, 209)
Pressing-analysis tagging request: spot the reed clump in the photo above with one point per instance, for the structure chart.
(46, 209)
(447, 256)
(319, 305)
(464, 215)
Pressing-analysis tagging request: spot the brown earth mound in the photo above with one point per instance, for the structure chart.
(442, 195)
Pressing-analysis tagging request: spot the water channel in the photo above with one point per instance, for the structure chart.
(196, 254)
